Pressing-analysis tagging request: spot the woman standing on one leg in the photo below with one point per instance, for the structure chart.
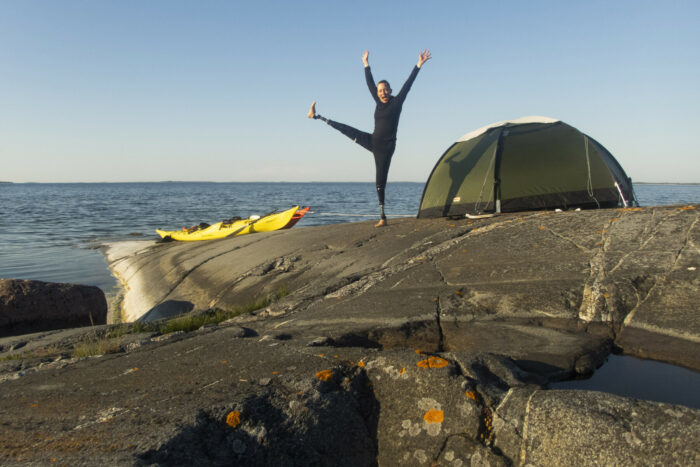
(382, 141)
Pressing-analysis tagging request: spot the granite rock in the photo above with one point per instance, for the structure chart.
(28, 306)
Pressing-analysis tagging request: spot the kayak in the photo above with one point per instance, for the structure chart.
(295, 218)
(236, 226)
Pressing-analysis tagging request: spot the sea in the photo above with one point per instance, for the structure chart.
(56, 231)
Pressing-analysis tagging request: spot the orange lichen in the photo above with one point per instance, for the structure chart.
(433, 362)
(434, 416)
(403, 370)
(325, 375)
(275, 372)
(233, 419)
(686, 208)
(459, 292)
(224, 362)
(321, 355)
(471, 394)
(629, 209)
(542, 227)
(361, 364)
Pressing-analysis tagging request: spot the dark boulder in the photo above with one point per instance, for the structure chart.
(31, 306)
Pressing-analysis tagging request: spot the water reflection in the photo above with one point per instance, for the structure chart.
(642, 379)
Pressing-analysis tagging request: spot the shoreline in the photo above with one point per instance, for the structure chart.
(116, 255)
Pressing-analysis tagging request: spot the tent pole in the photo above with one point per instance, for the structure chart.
(619, 190)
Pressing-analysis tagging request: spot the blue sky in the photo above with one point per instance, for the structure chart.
(101, 91)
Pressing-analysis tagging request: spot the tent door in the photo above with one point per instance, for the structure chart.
(497, 171)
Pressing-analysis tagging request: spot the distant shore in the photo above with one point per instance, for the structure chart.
(281, 182)
(665, 183)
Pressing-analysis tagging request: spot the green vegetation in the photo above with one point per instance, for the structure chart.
(50, 351)
(193, 322)
(95, 347)
(109, 341)
(13, 356)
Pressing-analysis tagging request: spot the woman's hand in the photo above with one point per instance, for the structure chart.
(423, 57)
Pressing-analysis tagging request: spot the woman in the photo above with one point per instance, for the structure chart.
(382, 142)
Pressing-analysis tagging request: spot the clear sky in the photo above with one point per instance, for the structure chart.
(133, 90)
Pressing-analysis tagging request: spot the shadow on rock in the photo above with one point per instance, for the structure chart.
(167, 309)
(328, 422)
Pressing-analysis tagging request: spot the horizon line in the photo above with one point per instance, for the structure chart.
(263, 181)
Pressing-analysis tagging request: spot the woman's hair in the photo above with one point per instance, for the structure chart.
(385, 82)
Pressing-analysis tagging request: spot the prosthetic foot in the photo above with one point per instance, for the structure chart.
(312, 111)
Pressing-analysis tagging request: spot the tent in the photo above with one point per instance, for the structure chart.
(524, 164)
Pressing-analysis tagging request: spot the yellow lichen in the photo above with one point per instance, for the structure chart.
(433, 362)
(233, 419)
(275, 372)
(434, 416)
(325, 375)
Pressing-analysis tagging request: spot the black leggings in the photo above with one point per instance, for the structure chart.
(381, 150)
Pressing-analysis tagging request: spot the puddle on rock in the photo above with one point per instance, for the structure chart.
(641, 379)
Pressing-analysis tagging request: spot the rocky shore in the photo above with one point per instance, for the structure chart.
(429, 342)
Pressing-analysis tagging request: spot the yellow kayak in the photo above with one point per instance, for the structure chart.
(254, 224)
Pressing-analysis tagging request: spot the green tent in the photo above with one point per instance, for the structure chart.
(525, 164)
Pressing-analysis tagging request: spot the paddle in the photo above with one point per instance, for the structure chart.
(249, 224)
